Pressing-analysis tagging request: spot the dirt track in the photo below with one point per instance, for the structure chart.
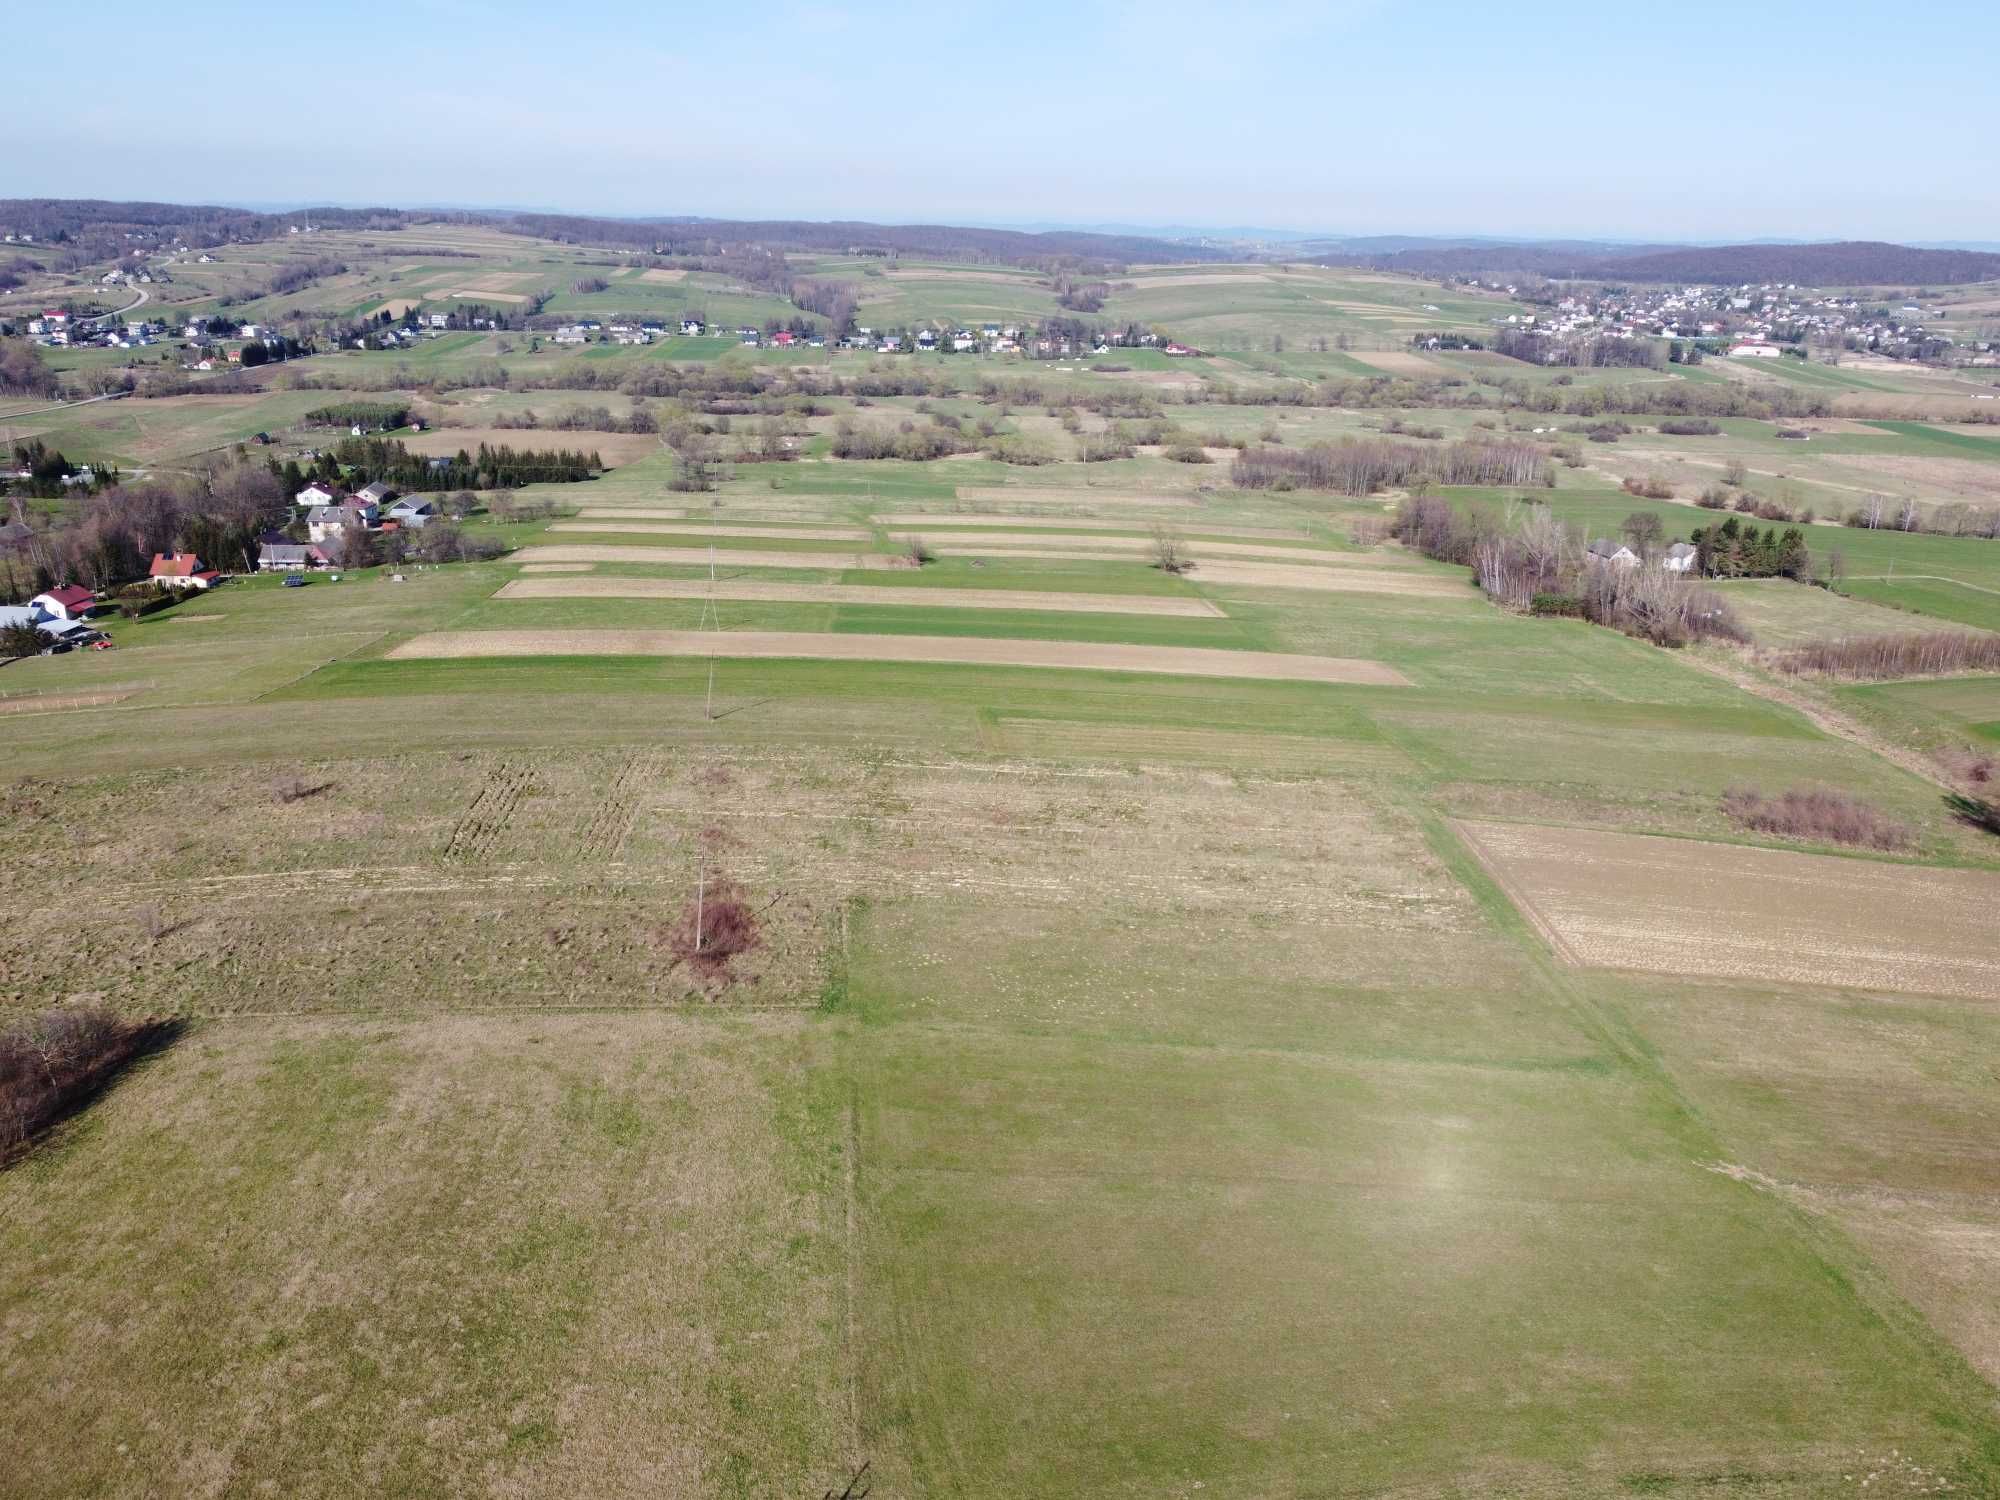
(842, 593)
(1183, 661)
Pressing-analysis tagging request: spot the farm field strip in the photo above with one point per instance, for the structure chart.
(1683, 906)
(1069, 523)
(848, 593)
(601, 521)
(1328, 580)
(700, 557)
(987, 544)
(1083, 495)
(1183, 661)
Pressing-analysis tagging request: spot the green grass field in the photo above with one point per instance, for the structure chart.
(1135, 1082)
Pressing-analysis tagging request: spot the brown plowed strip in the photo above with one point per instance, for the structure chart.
(1068, 523)
(847, 593)
(555, 567)
(637, 512)
(48, 703)
(698, 557)
(776, 531)
(1256, 575)
(1184, 661)
(1086, 499)
(1682, 906)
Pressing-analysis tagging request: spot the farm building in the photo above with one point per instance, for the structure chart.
(289, 557)
(377, 494)
(1680, 558)
(71, 602)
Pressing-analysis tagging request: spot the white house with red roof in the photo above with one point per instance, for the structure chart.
(70, 602)
(183, 570)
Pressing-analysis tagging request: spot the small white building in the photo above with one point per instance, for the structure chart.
(1680, 558)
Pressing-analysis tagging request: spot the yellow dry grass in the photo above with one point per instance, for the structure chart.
(1012, 544)
(1183, 661)
(850, 593)
(1727, 911)
(662, 276)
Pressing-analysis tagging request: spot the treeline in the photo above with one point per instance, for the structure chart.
(104, 540)
(582, 419)
(46, 473)
(1927, 653)
(380, 416)
(1536, 567)
(1593, 353)
(1733, 550)
(363, 461)
(1361, 466)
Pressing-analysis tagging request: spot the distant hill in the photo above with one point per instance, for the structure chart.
(84, 229)
(943, 241)
(1846, 263)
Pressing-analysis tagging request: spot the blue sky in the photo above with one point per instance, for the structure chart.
(1696, 121)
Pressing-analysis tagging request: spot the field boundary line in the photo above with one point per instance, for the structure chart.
(851, 1189)
(1527, 908)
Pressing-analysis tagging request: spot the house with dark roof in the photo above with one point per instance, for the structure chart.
(377, 494)
(289, 557)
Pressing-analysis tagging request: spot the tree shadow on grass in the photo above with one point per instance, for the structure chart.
(35, 1110)
(1975, 811)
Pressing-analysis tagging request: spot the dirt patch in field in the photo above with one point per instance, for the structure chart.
(599, 521)
(847, 593)
(1183, 661)
(699, 557)
(615, 448)
(474, 294)
(1000, 494)
(556, 567)
(661, 276)
(1072, 523)
(635, 512)
(1680, 906)
(396, 307)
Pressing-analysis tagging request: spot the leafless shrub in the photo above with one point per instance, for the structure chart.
(917, 551)
(1817, 813)
(54, 1061)
(1652, 487)
(715, 926)
(1927, 653)
(295, 788)
(1170, 554)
